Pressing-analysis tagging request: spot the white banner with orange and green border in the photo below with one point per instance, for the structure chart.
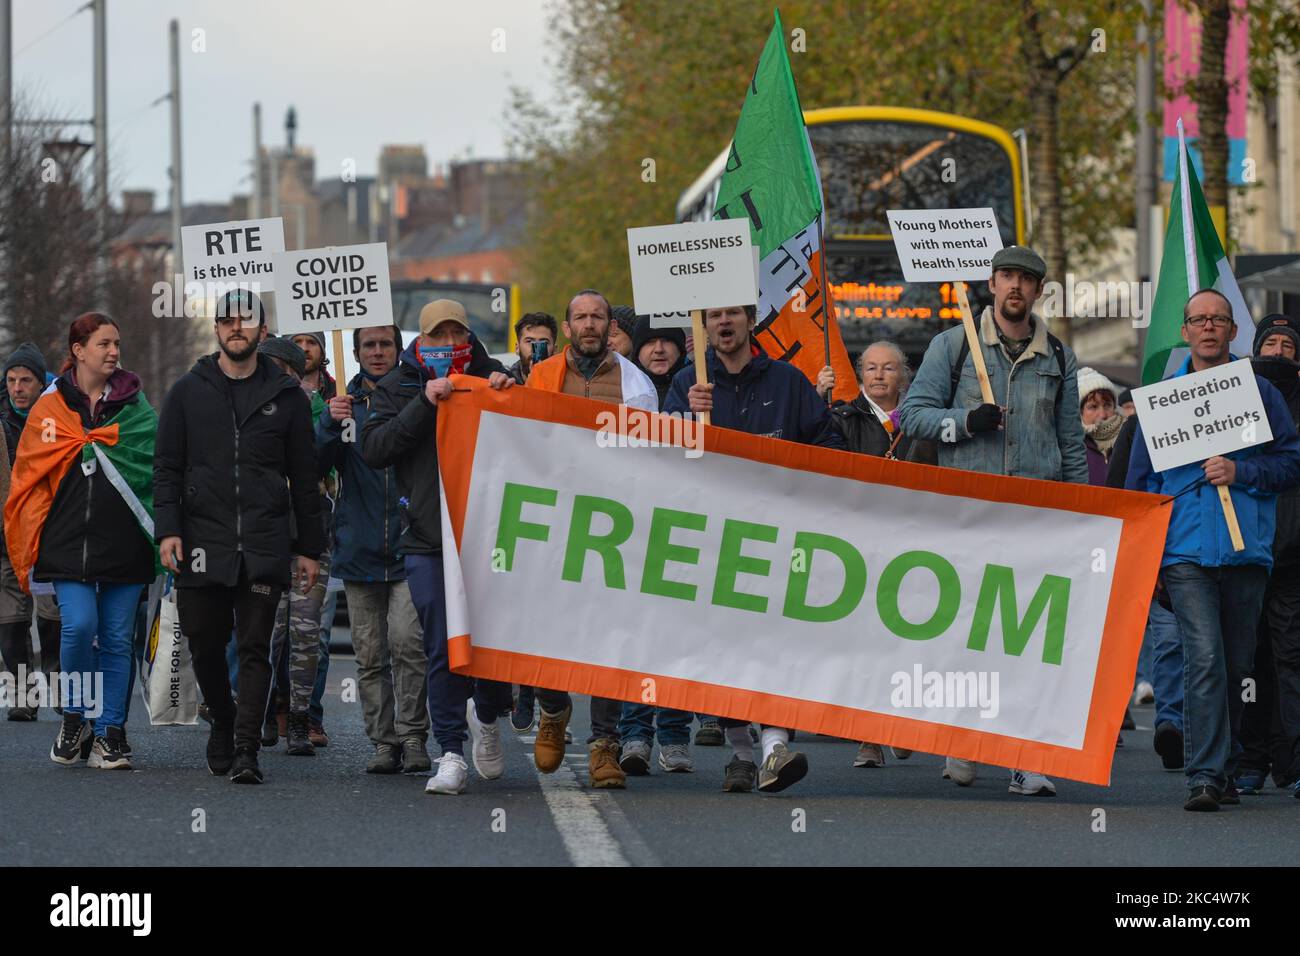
(609, 551)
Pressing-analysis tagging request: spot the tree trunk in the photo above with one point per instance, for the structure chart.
(1049, 228)
(1210, 93)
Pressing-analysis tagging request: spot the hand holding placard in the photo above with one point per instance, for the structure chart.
(1201, 416)
(950, 245)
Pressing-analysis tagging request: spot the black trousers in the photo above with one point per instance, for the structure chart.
(1270, 726)
(605, 712)
(207, 615)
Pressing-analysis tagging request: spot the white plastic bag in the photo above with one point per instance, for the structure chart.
(167, 681)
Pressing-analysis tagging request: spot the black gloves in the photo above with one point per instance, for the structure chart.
(986, 418)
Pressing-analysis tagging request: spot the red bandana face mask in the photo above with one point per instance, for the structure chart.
(441, 361)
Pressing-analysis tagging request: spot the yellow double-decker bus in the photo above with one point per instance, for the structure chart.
(876, 158)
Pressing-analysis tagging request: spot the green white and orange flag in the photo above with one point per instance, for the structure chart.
(1193, 260)
(771, 177)
(52, 443)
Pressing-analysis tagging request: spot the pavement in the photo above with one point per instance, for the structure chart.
(324, 811)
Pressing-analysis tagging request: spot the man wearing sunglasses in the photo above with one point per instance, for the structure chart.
(1216, 592)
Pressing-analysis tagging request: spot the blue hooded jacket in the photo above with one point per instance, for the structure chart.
(1198, 533)
(367, 523)
(767, 397)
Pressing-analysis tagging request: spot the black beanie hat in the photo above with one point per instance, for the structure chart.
(283, 348)
(642, 334)
(1273, 325)
(29, 356)
(625, 316)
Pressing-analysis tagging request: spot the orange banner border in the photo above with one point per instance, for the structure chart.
(1136, 565)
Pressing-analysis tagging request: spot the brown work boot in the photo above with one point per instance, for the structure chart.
(316, 734)
(603, 768)
(548, 748)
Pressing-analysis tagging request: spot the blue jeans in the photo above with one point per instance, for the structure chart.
(638, 723)
(1166, 646)
(327, 610)
(448, 692)
(102, 614)
(1218, 615)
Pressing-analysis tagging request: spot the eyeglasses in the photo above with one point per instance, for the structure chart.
(1215, 321)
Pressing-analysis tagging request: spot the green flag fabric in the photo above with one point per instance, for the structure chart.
(1193, 260)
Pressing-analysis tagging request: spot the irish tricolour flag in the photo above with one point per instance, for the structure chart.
(1193, 260)
(772, 178)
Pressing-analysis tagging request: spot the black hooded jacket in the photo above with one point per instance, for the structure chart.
(90, 534)
(220, 482)
(400, 432)
(1284, 374)
(643, 333)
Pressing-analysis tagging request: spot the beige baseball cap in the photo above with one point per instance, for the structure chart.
(439, 311)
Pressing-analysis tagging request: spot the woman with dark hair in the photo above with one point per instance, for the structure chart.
(80, 514)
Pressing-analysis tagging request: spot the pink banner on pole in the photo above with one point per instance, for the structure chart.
(1182, 65)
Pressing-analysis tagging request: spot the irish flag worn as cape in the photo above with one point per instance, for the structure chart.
(1193, 259)
(771, 177)
(54, 441)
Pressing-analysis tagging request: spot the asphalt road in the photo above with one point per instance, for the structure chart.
(324, 811)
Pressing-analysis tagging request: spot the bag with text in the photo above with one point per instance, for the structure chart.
(167, 681)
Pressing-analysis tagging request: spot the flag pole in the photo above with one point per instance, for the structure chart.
(827, 302)
(1193, 285)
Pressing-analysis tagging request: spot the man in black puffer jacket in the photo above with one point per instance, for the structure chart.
(1270, 724)
(660, 353)
(233, 431)
(400, 431)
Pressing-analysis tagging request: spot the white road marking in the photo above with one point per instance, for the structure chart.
(586, 838)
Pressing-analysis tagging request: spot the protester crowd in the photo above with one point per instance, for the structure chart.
(257, 484)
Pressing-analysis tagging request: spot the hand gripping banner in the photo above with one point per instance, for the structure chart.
(608, 551)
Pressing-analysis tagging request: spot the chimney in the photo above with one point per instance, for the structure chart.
(136, 203)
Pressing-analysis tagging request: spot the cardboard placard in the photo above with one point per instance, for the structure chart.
(942, 245)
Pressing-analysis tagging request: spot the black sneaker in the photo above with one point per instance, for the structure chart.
(740, 776)
(299, 744)
(1203, 799)
(74, 741)
(245, 768)
(122, 744)
(1129, 723)
(1168, 743)
(270, 732)
(524, 714)
(221, 749)
(709, 734)
(1230, 796)
(22, 714)
(106, 752)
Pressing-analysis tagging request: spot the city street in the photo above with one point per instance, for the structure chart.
(323, 811)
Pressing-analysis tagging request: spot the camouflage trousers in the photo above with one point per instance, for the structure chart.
(297, 620)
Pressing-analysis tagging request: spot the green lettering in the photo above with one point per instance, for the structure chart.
(731, 563)
(945, 611)
(510, 526)
(855, 579)
(581, 540)
(659, 551)
(999, 584)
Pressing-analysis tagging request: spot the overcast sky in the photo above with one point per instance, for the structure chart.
(360, 74)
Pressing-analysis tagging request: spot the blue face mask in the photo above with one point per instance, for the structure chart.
(437, 360)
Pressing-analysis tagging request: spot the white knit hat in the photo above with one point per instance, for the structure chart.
(1090, 380)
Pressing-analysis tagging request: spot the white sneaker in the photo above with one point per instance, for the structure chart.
(450, 777)
(488, 756)
(960, 772)
(870, 755)
(1145, 693)
(1031, 784)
